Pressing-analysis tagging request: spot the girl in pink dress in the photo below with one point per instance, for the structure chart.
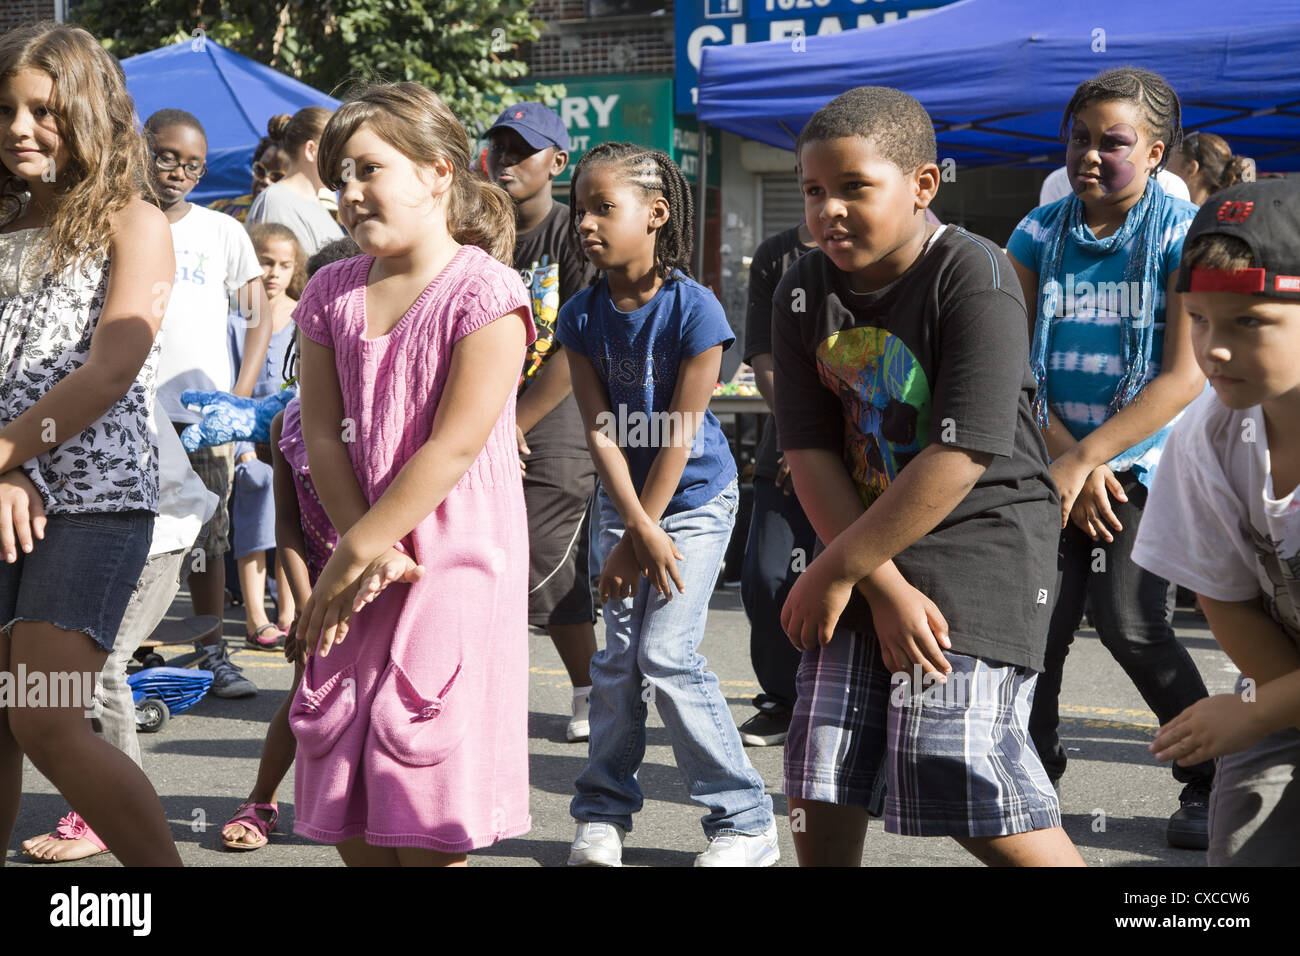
(412, 715)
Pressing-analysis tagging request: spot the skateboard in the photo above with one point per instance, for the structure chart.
(170, 633)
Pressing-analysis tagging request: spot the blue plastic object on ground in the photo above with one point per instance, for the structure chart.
(160, 692)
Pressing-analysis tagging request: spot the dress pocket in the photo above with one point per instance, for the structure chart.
(319, 717)
(416, 728)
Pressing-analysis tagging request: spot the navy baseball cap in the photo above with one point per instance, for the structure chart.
(1266, 216)
(537, 123)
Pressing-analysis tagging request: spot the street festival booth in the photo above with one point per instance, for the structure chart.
(995, 76)
(231, 95)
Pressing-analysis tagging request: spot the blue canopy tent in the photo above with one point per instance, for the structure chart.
(231, 95)
(995, 75)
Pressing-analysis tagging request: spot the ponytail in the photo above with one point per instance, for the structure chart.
(1218, 167)
(481, 213)
(276, 127)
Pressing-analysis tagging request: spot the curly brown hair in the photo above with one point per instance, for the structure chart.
(96, 120)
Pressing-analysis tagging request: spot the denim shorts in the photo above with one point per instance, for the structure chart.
(81, 575)
(957, 758)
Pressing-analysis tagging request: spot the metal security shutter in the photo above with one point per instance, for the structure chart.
(782, 203)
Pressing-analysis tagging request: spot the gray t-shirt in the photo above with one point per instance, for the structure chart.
(309, 220)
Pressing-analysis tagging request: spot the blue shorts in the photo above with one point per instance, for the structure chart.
(80, 577)
(957, 758)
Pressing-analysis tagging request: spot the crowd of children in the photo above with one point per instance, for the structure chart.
(394, 405)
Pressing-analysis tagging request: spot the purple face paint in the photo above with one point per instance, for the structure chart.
(1117, 145)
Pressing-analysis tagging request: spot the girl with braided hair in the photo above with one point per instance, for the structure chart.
(645, 345)
(1113, 360)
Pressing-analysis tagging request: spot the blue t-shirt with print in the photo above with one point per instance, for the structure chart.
(1085, 364)
(636, 355)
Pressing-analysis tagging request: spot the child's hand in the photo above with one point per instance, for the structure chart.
(391, 567)
(621, 576)
(295, 652)
(657, 557)
(1070, 475)
(814, 606)
(1211, 727)
(324, 619)
(1092, 512)
(911, 630)
(22, 514)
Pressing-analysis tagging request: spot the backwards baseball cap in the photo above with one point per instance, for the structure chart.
(1265, 215)
(536, 123)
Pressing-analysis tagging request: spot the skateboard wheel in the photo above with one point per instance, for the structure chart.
(151, 715)
(153, 660)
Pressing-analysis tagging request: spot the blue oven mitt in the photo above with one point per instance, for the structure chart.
(228, 417)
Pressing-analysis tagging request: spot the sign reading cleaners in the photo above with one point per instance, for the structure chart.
(701, 22)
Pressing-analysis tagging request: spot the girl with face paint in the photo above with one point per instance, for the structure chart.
(1113, 361)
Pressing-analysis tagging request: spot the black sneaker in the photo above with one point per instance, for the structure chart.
(767, 728)
(1189, 827)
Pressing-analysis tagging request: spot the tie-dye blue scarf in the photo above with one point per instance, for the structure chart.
(1141, 228)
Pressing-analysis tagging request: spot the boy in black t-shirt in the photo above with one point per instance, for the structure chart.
(527, 148)
(903, 403)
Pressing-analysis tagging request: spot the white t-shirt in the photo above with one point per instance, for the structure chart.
(1214, 523)
(214, 257)
(1057, 186)
(184, 503)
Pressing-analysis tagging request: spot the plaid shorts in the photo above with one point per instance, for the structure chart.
(957, 758)
(215, 467)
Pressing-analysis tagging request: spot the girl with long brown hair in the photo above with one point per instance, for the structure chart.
(86, 267)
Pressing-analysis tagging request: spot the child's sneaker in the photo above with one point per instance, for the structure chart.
(767, 728)
(579, 724)
(597, 844)
(228, 679)
(739, 849)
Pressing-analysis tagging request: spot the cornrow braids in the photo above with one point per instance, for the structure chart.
(655, 173)
(1148, 91)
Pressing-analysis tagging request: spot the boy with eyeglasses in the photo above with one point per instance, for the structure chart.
(215, 260)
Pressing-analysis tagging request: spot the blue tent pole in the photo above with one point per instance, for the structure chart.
(701, 186)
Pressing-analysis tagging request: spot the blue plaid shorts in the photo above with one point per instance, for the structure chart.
(957, 758)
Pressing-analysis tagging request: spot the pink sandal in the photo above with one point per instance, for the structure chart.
(246, 816)
(73, 827)
(257, 641)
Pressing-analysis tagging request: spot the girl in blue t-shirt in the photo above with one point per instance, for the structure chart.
(645, 346)
(1113, 359)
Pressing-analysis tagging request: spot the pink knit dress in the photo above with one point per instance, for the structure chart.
(414, 730)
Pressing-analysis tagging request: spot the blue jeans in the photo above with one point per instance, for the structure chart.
(651, 654)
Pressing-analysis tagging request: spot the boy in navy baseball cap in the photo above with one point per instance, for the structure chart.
(1223, 517)
(527, 148)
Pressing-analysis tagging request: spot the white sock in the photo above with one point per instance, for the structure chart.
(582, 691)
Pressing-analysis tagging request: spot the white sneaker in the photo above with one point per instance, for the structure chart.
(579, 725)
(597, 844)
(739, 849)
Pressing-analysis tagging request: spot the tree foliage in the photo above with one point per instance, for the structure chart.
(467, 51)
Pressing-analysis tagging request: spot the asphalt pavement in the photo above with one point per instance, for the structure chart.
(1115, 800)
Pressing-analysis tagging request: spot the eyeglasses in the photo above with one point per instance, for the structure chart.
(194, 171)
(261, 172)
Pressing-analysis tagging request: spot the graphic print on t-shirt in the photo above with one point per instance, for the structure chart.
(1283, 601)
(886, 400)
(543, 281)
